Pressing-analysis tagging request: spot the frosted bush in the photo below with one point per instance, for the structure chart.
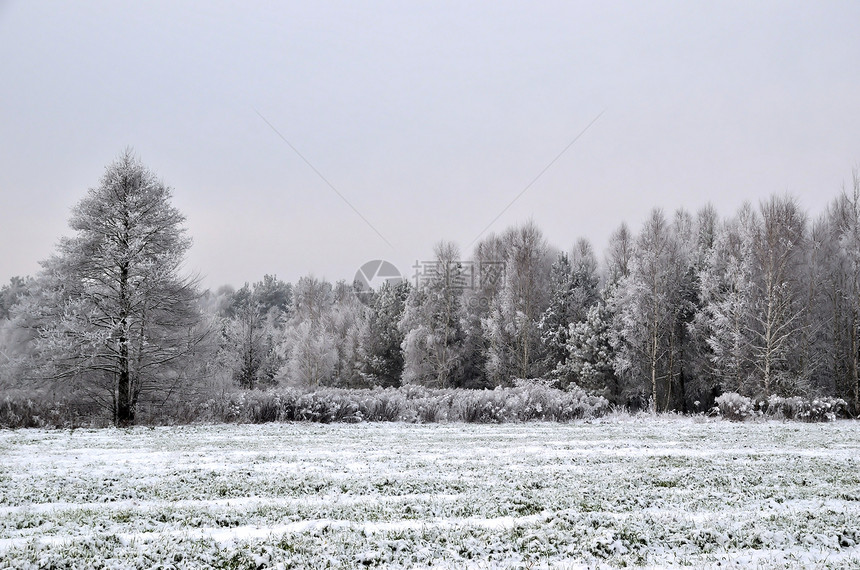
(37, 410)
(807, 410)
(383, 405)
(528, 400)
(482, 406)
(733, 406)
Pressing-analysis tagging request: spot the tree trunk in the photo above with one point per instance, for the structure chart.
(125, 407)
(654, 370)
(654, 341)
(125, 397)
(767, 337)
(855, 374)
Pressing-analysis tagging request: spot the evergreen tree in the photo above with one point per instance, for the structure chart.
(253, 316)
(556, 319)
(590, 354)
(382, 356)
(573, 289)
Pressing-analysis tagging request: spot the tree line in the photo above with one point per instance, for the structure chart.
(765, 302)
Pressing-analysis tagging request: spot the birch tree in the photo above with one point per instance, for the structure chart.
(646, 315)
(777, 245)
(515, 350)
(844, 291)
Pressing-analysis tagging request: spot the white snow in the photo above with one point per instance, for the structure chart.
(648, 492)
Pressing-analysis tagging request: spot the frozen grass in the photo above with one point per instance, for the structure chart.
(622, 491)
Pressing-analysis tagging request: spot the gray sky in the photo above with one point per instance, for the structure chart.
(428, 117)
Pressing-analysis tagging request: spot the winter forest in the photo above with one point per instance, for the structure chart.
(680, 309)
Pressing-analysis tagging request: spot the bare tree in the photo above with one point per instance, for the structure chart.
(619, 254)
(512, 322)
(844, 290)
(777, 246)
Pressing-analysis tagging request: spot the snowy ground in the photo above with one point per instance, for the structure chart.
(640, 492)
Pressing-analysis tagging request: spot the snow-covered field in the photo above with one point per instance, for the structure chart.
(632, 491)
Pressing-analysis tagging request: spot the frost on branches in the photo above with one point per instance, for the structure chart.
(113, 314)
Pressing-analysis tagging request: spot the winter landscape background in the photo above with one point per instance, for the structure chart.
(446, 285)
(758, 312)
(517, 408)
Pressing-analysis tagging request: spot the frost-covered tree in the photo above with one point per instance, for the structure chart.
(586, 280)
(15, 331)
(381, 353)
(12, 292)
(312, 300)
(618, 254)
(511, 326)
(432, 323)
(590, 354)
(700, 386)
(560, 314)
(646, 312)
(112, 310)
(618, 257)
(813, 343)
(573, 289)
(725, 321)
(756, 289)
(487, 280)
(683, 299)
(328, 319)
(311, 355)
(251, 331)
(345, 322)
(843, 291)
(777, 250)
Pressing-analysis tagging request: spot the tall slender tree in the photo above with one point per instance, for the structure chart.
(432, 323)
(647, 315)
(515, 350)
(844, 291)
(113, 311)
(725, 320)
(777, 251)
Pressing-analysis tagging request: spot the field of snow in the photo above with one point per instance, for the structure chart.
(632, 491)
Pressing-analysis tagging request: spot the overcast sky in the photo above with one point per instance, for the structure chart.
(429, 118)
